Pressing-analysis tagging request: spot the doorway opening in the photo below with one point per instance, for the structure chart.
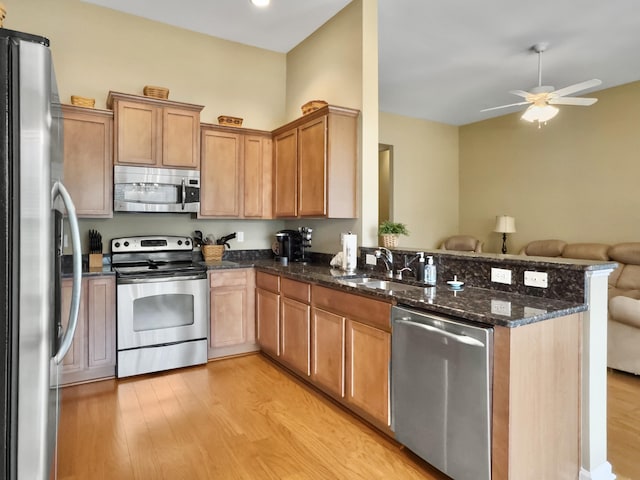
(385, 182)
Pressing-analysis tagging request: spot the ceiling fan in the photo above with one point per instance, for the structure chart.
(542, 98)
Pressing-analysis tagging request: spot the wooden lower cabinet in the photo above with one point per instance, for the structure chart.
(295, 335)
(368, 355)
(232, 313)
(328, 351)
(340, 342)
(268, 313)
(93, 353)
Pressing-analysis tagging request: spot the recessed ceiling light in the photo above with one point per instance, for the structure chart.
(260, 3)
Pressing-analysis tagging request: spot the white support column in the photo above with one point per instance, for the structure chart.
(593, 442)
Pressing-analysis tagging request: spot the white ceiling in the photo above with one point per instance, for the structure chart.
(442, 60)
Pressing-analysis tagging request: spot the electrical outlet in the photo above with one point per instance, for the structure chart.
(65, 241)
(501, 275)
(532, 312)
(240, 236)
(500, 307)
(371, 259)
(536, 279)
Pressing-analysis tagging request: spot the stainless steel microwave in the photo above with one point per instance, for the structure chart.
(142, 189)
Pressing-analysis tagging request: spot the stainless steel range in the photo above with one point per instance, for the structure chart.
(162, 304)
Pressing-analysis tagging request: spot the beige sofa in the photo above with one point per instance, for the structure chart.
(624, 293)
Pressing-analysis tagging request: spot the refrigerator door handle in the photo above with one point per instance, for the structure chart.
(60, 191)
(458, 338)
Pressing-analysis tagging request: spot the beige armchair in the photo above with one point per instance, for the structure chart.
(462, 243)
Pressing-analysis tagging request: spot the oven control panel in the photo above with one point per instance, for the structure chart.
(157, 243)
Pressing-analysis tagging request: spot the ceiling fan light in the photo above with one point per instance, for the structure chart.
(540, 114)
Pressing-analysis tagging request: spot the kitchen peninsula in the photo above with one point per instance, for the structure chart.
(548, 357)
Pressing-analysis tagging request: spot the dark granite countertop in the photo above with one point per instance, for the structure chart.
(491, 307)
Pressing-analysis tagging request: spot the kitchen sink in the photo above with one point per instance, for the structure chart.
(377, 284)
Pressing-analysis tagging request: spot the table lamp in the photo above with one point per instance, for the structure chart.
(504, 225)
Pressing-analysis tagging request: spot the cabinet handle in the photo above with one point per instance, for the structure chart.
(458, 338)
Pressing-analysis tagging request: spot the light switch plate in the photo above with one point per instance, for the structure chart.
(240, 236)
(371, 259)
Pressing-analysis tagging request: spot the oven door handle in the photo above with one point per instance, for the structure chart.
(184, 194)
(67, 339)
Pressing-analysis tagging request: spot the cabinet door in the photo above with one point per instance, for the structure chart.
(221, 174)
(312, 165)
(295, 335)
(138, 133)
(285, 174)
(101, 324)
(228, 316)
(368, 354)
(257, 177)
(88, 160)
(74, 361)
(180, 138)
(268, 321)
(328, 351)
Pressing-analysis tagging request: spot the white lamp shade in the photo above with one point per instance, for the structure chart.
(539, 113)
(505, 224)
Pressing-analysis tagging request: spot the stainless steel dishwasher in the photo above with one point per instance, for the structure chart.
(441, 373)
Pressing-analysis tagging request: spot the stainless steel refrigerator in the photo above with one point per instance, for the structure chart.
(33, 200)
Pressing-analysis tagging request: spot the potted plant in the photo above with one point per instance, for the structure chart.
(389, 231)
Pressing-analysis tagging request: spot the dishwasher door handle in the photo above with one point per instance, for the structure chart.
(453, 336)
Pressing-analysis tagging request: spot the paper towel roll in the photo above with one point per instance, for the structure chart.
(349, 252)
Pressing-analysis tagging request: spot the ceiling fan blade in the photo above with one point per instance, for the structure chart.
(576, 88)
(505, 106)
(581, 101)
(520, 93)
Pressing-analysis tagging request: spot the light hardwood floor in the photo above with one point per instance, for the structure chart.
(244, 418)
(623, 422)
(241, 418)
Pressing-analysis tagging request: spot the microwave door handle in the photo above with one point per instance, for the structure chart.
(67, 339)
(184, 194)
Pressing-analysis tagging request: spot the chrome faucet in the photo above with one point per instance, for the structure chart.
(399, 272)
(387, 257)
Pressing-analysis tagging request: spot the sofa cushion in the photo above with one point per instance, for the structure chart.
(629, 278)
(544, 248)
(625, 253)
(586, 251)
(625, 310)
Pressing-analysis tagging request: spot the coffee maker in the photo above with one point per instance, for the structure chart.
(290, 244)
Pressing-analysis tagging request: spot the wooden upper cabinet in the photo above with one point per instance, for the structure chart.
(315, 165)
(235, 173)
(155, 133)
(180, 138)
(221, 172)
(312, 168)
(285, 174)
(88, 160)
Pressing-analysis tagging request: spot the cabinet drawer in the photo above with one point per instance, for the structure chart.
(269, 282)
(229, 278)
(366, 310)
(296, 290)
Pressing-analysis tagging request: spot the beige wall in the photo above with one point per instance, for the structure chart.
(425, 176)
(96, 50)
(575, 178)
(329, 65)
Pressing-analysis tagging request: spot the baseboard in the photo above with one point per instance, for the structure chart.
(602, 472)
